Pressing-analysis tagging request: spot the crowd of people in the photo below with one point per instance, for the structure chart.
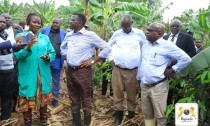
(141, 62)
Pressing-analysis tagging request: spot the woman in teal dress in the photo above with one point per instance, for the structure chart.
(34, 72)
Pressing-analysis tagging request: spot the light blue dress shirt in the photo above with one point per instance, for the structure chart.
(156, 57)
(80, 46)
(126, 48)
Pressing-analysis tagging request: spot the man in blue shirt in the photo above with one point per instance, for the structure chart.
(156, 56)
(78, 47)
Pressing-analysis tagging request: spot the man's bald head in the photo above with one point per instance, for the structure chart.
(160, 28)
(126, 23)
(56, 23)
(126, 18)
(155, 31)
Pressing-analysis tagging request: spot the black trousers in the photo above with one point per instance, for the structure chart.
(6, 92)
(105, 84)
(16, 87)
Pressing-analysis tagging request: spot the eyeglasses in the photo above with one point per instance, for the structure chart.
(151, 30)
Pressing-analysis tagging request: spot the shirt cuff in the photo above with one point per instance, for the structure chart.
(175, 69)
(13, 43)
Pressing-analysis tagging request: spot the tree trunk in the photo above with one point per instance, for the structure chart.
(87, 9)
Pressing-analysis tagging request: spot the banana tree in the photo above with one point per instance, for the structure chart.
(198, 78)
(203, 20)
(75, 6)
(142, 14)
(6, 7)
(105, 14)
(199, 23)
(11, 9)
(46, 10)
(104, 17)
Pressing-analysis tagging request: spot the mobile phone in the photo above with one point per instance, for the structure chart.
(27, 37)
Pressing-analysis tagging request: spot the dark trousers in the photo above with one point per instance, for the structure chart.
(79, 88)
(16, 87)
(105, 81)
(56, 81)
(174, 95)
(6, 92)
(105, 84)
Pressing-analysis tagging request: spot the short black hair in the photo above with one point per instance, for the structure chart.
(22, 22)
(81, 17)
(28, 19)
(190, 32)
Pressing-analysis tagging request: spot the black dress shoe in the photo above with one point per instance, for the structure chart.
(55, 103)
(118, 118)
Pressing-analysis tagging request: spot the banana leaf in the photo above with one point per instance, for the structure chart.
(199, 62)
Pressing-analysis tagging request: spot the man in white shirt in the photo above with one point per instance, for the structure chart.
(125, 58)
(156, 56)
(78, 47)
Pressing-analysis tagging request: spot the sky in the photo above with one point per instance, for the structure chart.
(174, 10)
(57, 2)
(180, 6)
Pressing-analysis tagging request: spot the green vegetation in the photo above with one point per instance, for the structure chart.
(104, 16)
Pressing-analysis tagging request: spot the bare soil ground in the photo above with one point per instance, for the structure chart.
(102, 112)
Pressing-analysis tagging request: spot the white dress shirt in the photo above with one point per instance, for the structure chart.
(10, 33)
(80, 46)
(156, 57)
(175, 38)
(126, 48)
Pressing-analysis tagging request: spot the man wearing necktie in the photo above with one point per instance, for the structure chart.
(182, 40)
(172, 37)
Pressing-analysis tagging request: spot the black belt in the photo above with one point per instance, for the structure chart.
(74, 67)
(153, 84)
(126, 68)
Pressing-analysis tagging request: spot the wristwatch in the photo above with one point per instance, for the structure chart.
(92, 62)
